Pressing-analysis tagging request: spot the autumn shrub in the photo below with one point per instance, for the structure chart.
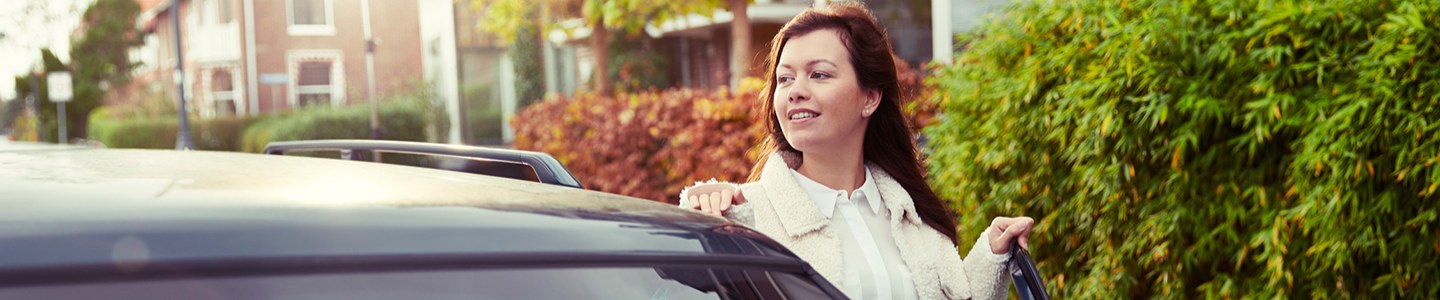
(646, 144)
(22, 128)
(1217, 149)
(651, 144)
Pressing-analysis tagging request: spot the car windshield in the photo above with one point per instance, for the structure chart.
(536, 283)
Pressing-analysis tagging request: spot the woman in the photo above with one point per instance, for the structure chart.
(843, 185)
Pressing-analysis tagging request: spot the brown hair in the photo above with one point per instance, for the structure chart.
(889, 143)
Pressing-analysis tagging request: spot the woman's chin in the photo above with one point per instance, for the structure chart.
(803, 145)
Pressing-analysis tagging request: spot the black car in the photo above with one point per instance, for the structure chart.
(78, 223)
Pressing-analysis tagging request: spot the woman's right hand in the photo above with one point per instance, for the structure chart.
(714, 200)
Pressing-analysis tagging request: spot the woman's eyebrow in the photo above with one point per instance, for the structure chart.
(810, 64)
(817, 61)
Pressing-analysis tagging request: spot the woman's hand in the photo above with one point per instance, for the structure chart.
(1003, 230)
(714, 200)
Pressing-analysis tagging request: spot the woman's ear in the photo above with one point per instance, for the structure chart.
(872, 102)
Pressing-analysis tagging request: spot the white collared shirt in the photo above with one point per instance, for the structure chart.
(872, 263)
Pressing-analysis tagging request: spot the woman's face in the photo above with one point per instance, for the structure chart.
(818, 98)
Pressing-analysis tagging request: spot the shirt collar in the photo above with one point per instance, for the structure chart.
(824, 197)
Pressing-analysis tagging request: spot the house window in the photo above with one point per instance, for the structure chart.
(314, 84)
(222, 92)
(317, 77)
(311, 17)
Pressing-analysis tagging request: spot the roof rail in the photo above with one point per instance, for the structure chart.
(547, 169)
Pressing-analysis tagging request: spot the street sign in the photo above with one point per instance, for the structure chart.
(274, 78)
(59, 83)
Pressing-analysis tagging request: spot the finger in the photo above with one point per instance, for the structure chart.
(1007, 236)
(715, 202)
(1025, 242)
(739, 197)
(1003, 223)
(705, 203)
(725, 199)
(998, 222)
(693, 203)
(995, 231)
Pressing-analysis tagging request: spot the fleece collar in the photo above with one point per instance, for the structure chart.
(784, 189)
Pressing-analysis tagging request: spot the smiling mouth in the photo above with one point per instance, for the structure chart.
(803, 115)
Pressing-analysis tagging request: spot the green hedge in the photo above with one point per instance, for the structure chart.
(152, 132)
(400, 120)
(399, 123)
(1232, 148)
(145, 133)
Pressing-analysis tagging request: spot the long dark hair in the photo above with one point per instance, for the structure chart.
(889, 143)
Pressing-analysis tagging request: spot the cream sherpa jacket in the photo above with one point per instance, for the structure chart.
(778, 207)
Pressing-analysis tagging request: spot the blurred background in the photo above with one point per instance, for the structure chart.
(1168, 149)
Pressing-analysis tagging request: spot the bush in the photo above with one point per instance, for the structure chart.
(144, 133)
(408, 116)
(221, 133)
(254, 138)
(23, 128)
(1217, 148)
(483, 118)
(400, 120)
(159, 132)
(646, 145)
(415, 113)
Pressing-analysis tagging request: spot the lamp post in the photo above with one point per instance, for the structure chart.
(370, 71)
(182, 139)
(34, 101)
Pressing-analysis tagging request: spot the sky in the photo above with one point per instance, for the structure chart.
(29, 25)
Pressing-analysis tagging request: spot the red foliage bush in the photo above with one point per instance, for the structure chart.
(651, 144)
(647, 145)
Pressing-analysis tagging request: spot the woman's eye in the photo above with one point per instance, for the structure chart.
(785, 79)
(819, 75)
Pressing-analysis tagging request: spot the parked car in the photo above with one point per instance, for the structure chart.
(83, 223)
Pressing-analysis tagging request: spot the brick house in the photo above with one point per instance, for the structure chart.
(313, 50)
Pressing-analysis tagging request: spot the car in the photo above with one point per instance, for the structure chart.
(86, 223)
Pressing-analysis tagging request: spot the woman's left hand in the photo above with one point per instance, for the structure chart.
(1003, 230)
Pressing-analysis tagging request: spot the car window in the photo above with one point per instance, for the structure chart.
(536, 283)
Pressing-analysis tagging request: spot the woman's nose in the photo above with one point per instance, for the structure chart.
(799, 91)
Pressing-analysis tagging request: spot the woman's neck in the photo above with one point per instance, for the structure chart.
(840, 171)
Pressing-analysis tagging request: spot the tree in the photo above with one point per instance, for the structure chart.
(525, 55)
(100, 58)
(47, 110)
(739, 42)
(505, 18)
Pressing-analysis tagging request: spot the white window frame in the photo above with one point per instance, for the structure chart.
(207, 99)
(293, 58)
(217, 96)
(310, 29)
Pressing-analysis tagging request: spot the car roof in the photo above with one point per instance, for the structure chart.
(109, 207)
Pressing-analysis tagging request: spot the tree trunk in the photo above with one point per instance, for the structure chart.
(599, 41)
(739, 43)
